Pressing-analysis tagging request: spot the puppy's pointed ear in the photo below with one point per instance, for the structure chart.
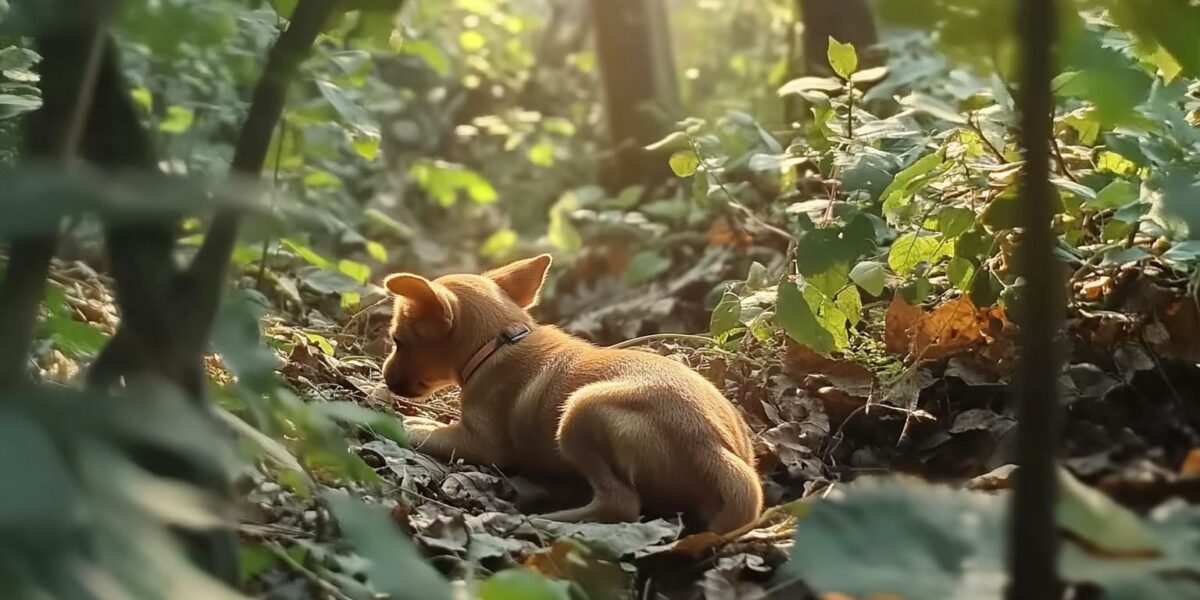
(430, 301)
(522, 280)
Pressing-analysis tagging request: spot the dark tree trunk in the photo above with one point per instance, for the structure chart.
(847, 21)
(633, 42)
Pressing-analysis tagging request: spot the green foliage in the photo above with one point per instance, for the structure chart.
(874, 539)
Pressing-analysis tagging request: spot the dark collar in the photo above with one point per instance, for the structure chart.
(510, 335)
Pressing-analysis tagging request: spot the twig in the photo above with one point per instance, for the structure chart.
(331, 589)
(700, 339)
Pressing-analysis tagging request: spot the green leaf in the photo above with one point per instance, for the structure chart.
(560, 231)
(684, 163)
(47, 493)
(874, 539)
(74, 336)
(499, 244)
(366, 146)
(523, 584)
(960, 272)
(254, 559)
(354, 270)
(430, 52)
(143, 98)
(306, 253)
(677, 139)
(320, 178)
(842, 57)
(934, 108)
(541, 154)
(177, 120)
(377, 251)
(911, 249)
(471, 40)
(1091, 515)
(1114, 195)
(799, 321)
(238, 339)
(726, 315)
(808, 84)
(646, 265)
(348, 412)
(955, 220)
(394, 566)
(870, 276)
(849, 302)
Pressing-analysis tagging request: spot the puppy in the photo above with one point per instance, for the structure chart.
(643, 430)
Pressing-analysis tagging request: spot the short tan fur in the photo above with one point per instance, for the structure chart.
(644, 430)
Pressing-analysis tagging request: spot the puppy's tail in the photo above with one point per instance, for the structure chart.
(741, 492)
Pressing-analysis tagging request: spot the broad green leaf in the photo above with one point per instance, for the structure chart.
(799, 321)
(829, 315)
(849, 302)
(74, 336)
(254, 559)
(1093, 516)
(934, 107)
(960, 271)
(354, 270)
(394, 566)
(955, 220)
(47, 497)
(351, 413)
(237, 337)
(1114, 195)
(880, 534)
(684, 163)
(911, 249)
(726, 315)
(523, 584)
(842, 57)
(428, 51)
(306, 253)
(177, 120)
(870, 276)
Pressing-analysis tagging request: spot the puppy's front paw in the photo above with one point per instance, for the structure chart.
(419, 429)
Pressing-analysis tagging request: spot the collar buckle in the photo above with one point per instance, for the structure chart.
(515, 333)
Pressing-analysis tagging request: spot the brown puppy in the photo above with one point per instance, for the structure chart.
(641, 428)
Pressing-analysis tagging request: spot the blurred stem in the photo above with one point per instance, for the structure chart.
(266, 245)
(208, 269)
(70, 92)
(1033, 548)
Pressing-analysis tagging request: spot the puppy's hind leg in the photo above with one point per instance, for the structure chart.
(585, 438)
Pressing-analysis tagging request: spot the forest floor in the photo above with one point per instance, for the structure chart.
(942, 413)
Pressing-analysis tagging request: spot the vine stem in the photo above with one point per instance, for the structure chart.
(700, 339)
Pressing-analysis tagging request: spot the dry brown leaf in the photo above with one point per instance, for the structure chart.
(899, 324)
(949, 329)
(1191, 464)
(720, 233)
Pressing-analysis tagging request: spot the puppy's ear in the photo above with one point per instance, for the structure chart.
(522, 280)
(430, 301)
